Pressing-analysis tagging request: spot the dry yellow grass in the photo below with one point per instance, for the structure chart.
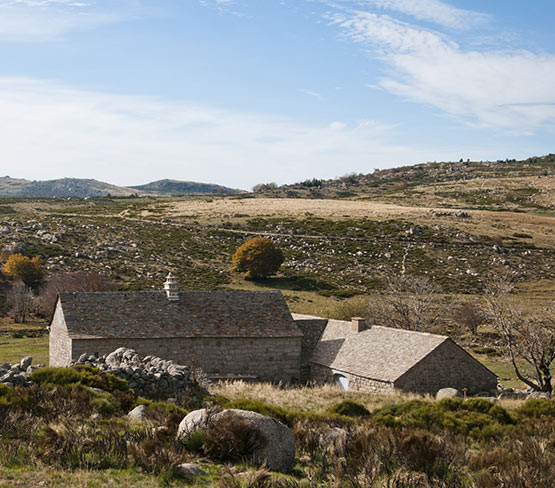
(319, 397)
(541, 227)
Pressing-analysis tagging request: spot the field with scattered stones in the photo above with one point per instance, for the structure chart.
(340, 251)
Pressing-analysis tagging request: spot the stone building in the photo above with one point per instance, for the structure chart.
(382, 359)
(229, 334)
(252, 335)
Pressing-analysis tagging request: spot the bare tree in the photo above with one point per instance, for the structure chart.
(70, 282)
(470, 315)
(410, 302)
(529, 337)
(20, 299)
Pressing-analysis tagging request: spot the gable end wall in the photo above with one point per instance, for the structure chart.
(447, 366)
(59, 347)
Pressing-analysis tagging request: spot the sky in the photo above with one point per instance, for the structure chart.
(241, 92)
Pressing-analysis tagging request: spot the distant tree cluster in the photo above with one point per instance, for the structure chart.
(262, 187)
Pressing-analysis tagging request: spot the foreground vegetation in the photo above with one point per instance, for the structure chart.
(64, 432)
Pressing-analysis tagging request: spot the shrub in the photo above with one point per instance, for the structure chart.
(537, 408)
(231, 438)
(25, 269)
(279, 413)
(257, 258)
(477, 418)
(82, 374)
(350, 409)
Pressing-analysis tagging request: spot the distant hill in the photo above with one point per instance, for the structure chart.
(175, 187)
(75, 187)
(528, 184)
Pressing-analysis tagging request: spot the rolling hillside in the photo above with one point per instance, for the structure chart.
(83, 188)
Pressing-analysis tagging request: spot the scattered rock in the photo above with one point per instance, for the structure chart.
(138, 413)
(277, 450)
(188, 470)
(448, 393)
(25, 363)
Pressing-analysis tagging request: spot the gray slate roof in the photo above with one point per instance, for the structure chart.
(379, 353)
(149, 314)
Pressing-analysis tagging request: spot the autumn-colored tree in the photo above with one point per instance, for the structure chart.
(257, 258)
(25, 269)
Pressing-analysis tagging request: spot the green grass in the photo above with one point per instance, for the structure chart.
(13, 349)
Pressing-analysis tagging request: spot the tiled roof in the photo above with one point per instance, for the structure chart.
(149, 314)
(379, 353)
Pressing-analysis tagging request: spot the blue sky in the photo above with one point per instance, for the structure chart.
(240, 92)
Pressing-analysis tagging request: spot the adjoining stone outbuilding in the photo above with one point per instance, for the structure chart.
(252, 335)
(228, 334)
(382, 359)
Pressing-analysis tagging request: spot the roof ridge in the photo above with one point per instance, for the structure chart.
(407, 331)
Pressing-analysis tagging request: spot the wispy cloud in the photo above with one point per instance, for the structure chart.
(223, 6)
(435, 11)
(311, 93)
(48, 130)
(512, 90)
(39, 20)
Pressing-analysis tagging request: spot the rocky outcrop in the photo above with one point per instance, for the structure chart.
(276, 446)
(18, 374)
(149, 376)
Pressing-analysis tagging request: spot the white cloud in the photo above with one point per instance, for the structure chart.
(51, 131)
(511, 90)
(436, 11)
(38, 20)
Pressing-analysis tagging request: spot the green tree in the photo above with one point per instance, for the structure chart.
(257, 258)
(25, 269)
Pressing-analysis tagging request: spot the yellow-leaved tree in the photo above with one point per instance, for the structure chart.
(28, 270)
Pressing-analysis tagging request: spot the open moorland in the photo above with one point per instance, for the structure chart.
(455, 223)
(339, 252)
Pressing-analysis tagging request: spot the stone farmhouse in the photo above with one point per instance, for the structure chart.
(382, 359)
(253, 336)
(228, 334)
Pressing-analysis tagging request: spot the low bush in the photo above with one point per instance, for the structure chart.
(350, 409)
(537, 408)
(287, 417)
(477, 418)
(231, 438)
(82, 374)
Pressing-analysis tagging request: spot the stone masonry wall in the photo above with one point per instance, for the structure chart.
(263, 359)
(312, 331)
(59, 341)
(448, 366)
(323, 374)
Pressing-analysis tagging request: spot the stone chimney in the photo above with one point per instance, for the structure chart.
(171, 288)
(358, 324)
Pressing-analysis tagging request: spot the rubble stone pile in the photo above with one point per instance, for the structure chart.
(149, 376)
(18, 374)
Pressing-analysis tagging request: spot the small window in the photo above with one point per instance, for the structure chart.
(341, 381)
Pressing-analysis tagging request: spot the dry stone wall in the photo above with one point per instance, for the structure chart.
(149, 376)
(262, 359)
